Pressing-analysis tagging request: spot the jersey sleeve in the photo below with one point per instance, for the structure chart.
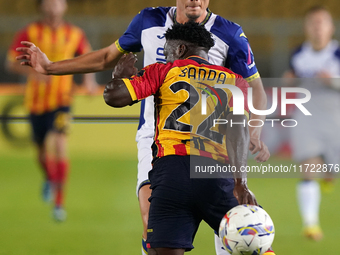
(240, 57)
(146, 82)
(243, 85)
(337, 53)
(84, 45)
(130, 41)
(20, 36)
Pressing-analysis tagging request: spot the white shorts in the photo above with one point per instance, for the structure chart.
(144, 162)
(144, 139)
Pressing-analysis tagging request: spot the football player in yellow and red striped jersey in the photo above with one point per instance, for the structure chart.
(48, 98)
(178, 116)
(185, 137)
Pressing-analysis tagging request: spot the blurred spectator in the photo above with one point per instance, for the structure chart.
(316, 139)
(48, 98)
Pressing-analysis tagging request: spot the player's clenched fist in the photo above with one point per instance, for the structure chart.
(34, 57)
(125, 67)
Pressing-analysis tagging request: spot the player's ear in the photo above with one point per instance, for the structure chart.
(182, 49)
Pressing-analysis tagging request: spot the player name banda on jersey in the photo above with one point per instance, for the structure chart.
(181, 90)
(202, 74)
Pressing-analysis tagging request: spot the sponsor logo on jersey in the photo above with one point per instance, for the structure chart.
(251, 65)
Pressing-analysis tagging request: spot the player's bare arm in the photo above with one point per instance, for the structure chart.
(237, 140)
(95, 61)
(260, 103)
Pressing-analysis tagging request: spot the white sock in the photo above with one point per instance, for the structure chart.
(144, 249)
(219, 247)
(308, 194)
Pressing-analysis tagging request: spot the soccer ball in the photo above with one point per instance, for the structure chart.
(246, 230)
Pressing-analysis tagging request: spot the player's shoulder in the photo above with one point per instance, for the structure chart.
(298, 50)
(225, 29)
(32, 26)
(165, 66)
(231, 73)
(225, 70)
(157, 65)
(154, 16)
(336, 47)
(239, 80)
(226, 25)
(74, 28)
(160, 66)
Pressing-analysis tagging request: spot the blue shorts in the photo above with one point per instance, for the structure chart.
(179, 204)
(57, 120)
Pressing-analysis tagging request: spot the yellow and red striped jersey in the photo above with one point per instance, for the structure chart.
(187, 102)
(44, 95)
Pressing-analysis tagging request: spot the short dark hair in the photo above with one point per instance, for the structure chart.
(191, 32)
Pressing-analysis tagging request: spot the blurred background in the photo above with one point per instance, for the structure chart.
(274, 28)
(103, 214)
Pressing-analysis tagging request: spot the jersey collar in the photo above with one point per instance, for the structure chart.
(199, 60)
(202, 23)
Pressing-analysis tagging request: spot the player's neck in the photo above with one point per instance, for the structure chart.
(182, 18)
(54, 23)
(199, 52)
(319, 45)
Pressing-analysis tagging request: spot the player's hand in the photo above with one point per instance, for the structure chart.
(33, 57)
(125, 67)
(244, 195)
(258, 146)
